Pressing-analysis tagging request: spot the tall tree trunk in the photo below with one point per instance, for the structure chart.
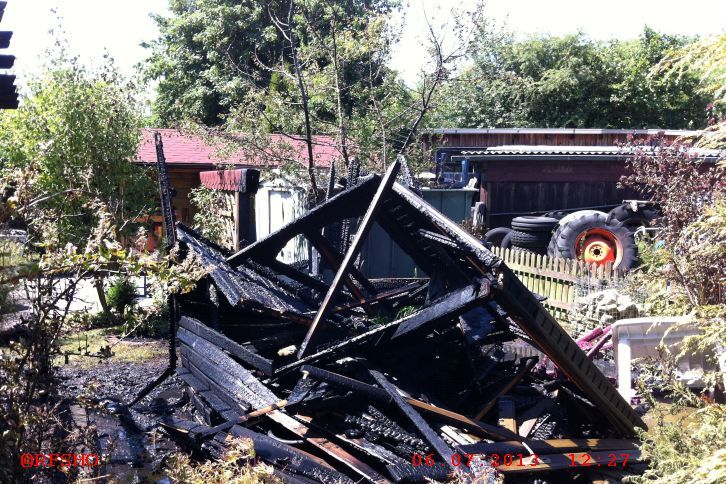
(98, 283)
(338, 96)
(306, 109)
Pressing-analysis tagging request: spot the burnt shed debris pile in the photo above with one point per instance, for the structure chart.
(350, 379)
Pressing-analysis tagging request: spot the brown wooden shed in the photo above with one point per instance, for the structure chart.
(535, 170)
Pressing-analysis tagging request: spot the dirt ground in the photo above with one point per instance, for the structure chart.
(127, 439)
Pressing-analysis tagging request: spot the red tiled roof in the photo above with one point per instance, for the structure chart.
(186, 149)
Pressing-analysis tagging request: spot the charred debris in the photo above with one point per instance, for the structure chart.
(460, 374)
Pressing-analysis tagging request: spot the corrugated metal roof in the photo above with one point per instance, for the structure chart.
(573, 131)
(614, 151)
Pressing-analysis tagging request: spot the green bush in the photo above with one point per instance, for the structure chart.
(121, 295)
(150, 322)
(6, 303)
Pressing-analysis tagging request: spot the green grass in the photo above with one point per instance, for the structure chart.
(95, 341)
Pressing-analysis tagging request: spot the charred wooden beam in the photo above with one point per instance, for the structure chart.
(443, 309)
(290, 458)
(437, 443)
(479, 428)
(579, 462)
(363, 229)
(235, 349)
(510, 384)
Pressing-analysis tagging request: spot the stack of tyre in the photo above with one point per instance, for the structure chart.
(532, 233)
(589, 235)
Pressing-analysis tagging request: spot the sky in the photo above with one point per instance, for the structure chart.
(120, 26)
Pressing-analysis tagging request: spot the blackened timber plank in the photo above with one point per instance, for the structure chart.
(289, 458)
(423, 320)
(251, 389)
(220, 387)
(220, 340)
(326, 446)
(365, 225)
(479, 428)
(246, 392)
(205, 391)
(437, 443)
(533, 318)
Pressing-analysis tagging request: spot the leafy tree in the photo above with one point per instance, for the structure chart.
(571, 81)
(705, 59)
(68, 151)
(211, 53)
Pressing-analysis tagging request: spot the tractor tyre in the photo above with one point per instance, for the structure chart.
(591, 238)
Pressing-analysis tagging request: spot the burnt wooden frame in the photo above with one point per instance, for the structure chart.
(420, 230)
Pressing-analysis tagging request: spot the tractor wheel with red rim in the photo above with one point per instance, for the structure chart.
(595, 240)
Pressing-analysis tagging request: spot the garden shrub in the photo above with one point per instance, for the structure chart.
(121, 295)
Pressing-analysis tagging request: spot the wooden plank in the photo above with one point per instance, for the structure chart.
(582, 461)
(233, 348)
(437, 443)
(365, 225)
(507, 415)
(240, 407)
(510, 384)
(237, 381)
(479, 428)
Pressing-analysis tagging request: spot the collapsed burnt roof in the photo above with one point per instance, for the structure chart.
(348, 379)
